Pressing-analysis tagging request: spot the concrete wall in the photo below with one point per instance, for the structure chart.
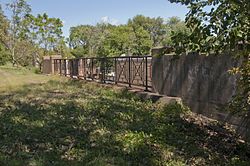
(48, 64)
(47, 67)
(203, 82)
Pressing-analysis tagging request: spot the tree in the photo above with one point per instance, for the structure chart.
(101, 32)
(154, 26)
(25, 53)
(222, 26)
(218, 25)
(79, 39)
(87, 40)
(46, 34)
(141, 42)
(136, 37)
(177, 34)
(18, 27)
(119, 41)
(63, 49)
(4, 25)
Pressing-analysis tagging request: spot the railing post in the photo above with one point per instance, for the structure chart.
(84, 69)
(146, 61)
(57, 67)
(53, 66)
(70, 68)
(116, 71)
(65, 67)
(60, 61)
(129, 71)
(77, 67)
(92, 68)
(54, 61)
(73, 67)
(103, 69)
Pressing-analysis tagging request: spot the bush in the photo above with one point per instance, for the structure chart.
(4, 56)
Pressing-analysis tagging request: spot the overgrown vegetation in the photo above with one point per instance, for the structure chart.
(67, 122)
(222, 26)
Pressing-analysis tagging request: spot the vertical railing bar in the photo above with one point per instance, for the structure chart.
(77, 67)
(129, 71)
(116, 71)
(146, 61)
(104, 70)
(65, 68)
(71, 68)
(60, 67)
(57, 62)
(85, 69)
(54, 62)
(92, 68)
(55, 66)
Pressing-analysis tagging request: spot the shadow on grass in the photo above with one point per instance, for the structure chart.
(76, 123)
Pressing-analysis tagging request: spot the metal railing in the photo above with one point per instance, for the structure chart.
(132, 70)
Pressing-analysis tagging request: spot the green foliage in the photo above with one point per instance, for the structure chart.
(141, 43)
(4, 25)
(62, 48)
(81, 39)
(45, 36)
(25, 55)
(46, 31)
(56, 121)
(89, 40)
(241, 101)
(218, 25)
(19, 10)
(154, 26)
(4, 55)
(26, 38)
(119, 41)
(37, 71)
(221, 26)
(136, 37)
(177, 35)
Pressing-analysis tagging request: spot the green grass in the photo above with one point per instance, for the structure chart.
(55, 121)
(12, 77)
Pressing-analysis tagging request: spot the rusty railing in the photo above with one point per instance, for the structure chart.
(132, 71)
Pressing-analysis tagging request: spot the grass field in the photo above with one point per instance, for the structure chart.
(48, 120)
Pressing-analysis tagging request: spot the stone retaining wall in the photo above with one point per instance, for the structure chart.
(203, 83)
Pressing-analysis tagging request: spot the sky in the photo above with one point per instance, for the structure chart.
(80, 12)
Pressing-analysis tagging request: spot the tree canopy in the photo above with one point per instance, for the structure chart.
(137, 37)
(218, 25)
(4, 25)
(24, 38)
